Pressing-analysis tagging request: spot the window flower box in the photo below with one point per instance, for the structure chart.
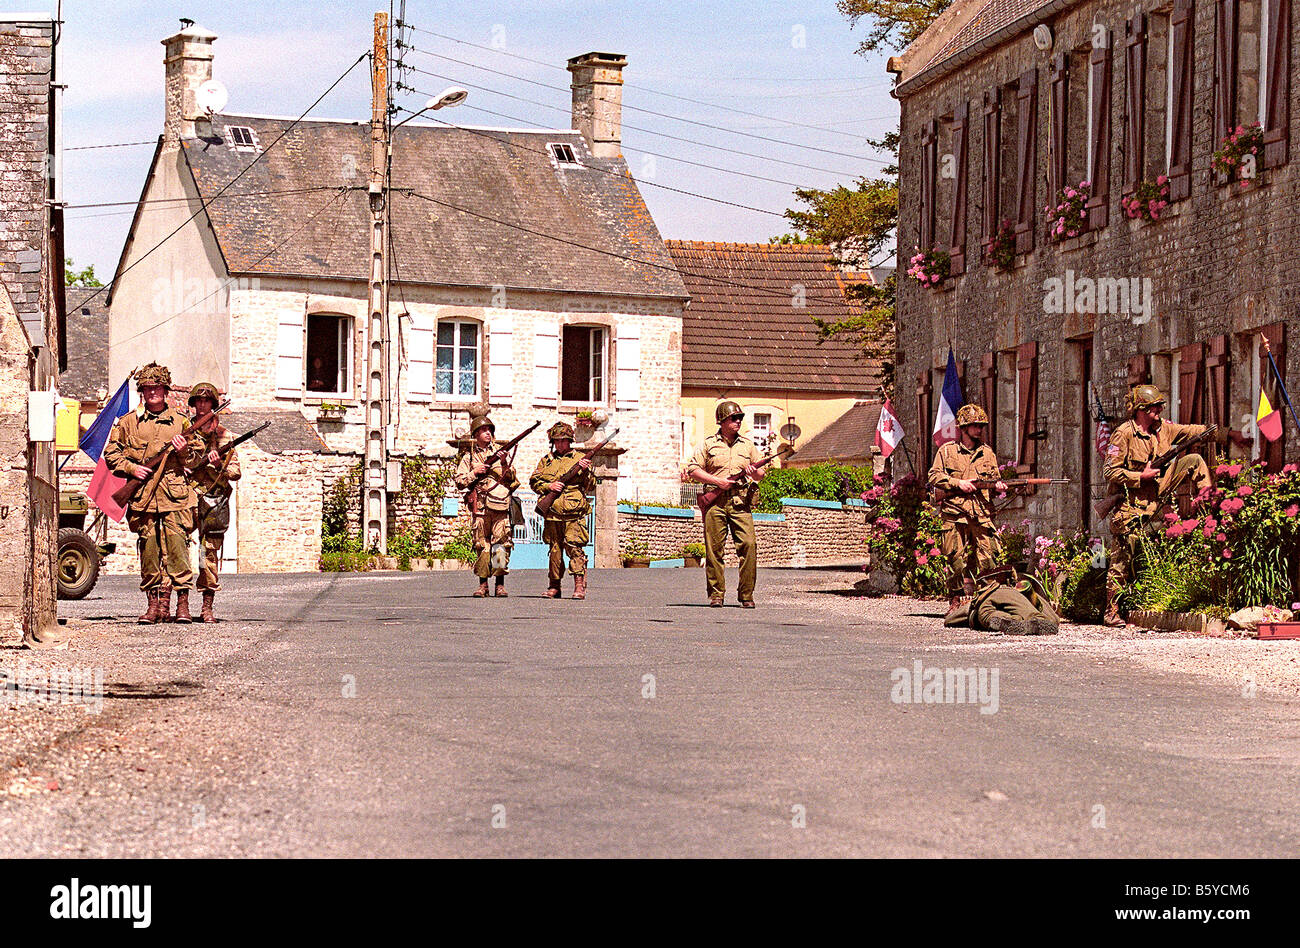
(1148, 200)
(330, 412)
(1000, 249)
(929, 267)
(1239, 154)
(1069, 216)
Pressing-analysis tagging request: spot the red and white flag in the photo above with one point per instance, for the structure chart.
(1103, 436)
(888, 431)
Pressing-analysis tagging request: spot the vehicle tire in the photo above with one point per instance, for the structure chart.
(78, 564)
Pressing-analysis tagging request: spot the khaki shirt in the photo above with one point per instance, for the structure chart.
(1129, 451)
(953, 463)
(140, 435)
(495, 488)
(714, 456)
(572, 502)
(215, 479)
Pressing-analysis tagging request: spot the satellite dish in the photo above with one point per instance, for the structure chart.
(211, 96)
(1043, 36)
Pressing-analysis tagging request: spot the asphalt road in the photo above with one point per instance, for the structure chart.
(393, 715)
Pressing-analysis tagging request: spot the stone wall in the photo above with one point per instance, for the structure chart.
(448, 515)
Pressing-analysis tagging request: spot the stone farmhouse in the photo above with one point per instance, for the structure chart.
(1006, 104)
(527, 276)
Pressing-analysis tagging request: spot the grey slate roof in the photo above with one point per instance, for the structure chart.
(849, 437)
(87, 370)
(502, 200)
(289, 431)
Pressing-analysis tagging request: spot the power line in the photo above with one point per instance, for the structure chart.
(667, 95)
(114, 145)
(207, 201)
(238, 194)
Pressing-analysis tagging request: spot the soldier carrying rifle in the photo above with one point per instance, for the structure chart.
(212, 486)
(488, 474)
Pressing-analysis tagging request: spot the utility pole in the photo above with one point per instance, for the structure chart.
(375, 475)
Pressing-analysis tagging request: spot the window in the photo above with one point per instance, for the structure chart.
(761, 430)
(241, 138)
(329, 354)
(1007, 423)
(563, 153)
(457, 358)
(583, 352)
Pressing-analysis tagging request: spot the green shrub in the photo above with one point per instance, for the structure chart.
(460, 547)
(694, 549)
(818, 482)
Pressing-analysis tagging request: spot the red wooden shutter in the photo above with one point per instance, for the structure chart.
(1273, 453)
(992, 161)
(989, 393)
(1135, 68)
(1225, 69)
(1138, 371)
(929, 173)
(957, 252)
(1216, 382)
(1182, 63)
(1277, 113)
(923, 421)
(1058, 101)
(1099, 66)
(1026, 160)
(1191, 384)
(1027, 366)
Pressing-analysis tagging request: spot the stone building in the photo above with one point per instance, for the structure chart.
(31, 326)
(528, 275)
(1005, 105)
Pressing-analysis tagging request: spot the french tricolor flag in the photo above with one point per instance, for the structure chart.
(104, 482)
(945, 418)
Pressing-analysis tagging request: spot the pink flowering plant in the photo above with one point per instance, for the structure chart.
(903, 535)
(929, 267)
(1148, 200)
(1072, 569)
(1000, 248)
(1230, 158)
(1069, 216)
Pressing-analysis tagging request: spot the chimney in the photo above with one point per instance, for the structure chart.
(188, 62)
(598, 101)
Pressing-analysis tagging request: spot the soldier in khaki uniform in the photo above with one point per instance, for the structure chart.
(566, 522)
(212, 487)
(1132, 447)
(968, 540)
(161, 513)
(717, 462)
(1023, 609)
(489, 505)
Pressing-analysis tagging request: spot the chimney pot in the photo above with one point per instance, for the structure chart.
(598, 101)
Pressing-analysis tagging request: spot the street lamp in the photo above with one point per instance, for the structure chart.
(452, 95)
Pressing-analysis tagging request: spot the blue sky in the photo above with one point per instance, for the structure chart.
(788, 62)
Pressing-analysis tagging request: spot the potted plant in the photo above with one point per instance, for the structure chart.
(1148, 200)
(1000, 249)
(929, 267)
(635, 552)
(328, 411)
(1232, 154)
(693, 554)
(1069, 217)
(584, 424)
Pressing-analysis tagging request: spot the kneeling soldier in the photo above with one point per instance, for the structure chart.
(565, 526)
(212, 485)
(489, 505)
(161, 513)
(966, 512)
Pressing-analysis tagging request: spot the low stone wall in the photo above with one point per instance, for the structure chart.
(407, 508)
(805, 533)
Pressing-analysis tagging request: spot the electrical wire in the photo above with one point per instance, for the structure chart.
(114, 145)
(215, 197)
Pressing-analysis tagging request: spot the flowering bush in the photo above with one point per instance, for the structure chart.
(903, 535)
(929, 267)
(1069, 217)
(1073, 569)
(1148, 200)
(1000, 248)
(1231, 156)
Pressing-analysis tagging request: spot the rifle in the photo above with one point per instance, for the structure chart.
(125, 494)
(471, 492)
(230, 447)
(711, 497)
(1115, 496)
(987, 483)
(568, 477)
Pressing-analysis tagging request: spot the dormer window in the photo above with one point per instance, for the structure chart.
(562, 152)
(241, 138)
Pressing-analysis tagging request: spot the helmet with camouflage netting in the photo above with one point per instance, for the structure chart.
(971, 415)
(1144, 396)
(560, 430)
(153, 374)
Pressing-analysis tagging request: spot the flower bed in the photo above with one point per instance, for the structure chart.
(903, 536)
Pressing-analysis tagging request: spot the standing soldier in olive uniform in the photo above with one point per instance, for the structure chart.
(968, 540)
(161, 514)
(566, 522)
(489, 505)
(212, 487)
(1128, 466)
(719, 459)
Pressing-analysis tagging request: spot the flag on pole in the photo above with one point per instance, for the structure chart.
(1268, 419)
(888, 431)
(1103, 436)
(945, 418)
(104, 482)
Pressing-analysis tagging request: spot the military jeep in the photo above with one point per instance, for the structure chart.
(79, 555)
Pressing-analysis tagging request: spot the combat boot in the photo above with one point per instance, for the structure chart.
(208, 596)
(1041, 625)
(1009, 626)
(482, 590)
(164, 604)
(501, 587)
(1112, 617)
(151, 614)
(553, 590)
(580, 586)
(183, 607)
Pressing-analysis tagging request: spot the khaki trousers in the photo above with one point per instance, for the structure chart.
(163, 543)
(566, 536)
(718, 521)
(971, 548)
(210, 565)
(1130, 530)
(491, 526)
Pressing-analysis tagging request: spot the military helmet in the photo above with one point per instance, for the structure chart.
(1144, 396)
(971, 415)
(560, 429)
(153, 374)
(478, 421)
(726, 410)
(205, 390)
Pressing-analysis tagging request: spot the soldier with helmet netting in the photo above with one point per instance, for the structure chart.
(489, 504)
(565, 523)
(213, 485)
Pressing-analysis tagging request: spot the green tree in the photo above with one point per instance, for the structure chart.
(891, 24)
(73, 277)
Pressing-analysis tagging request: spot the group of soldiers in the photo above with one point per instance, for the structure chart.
(966, 474)
(187, 488)
(726, 460)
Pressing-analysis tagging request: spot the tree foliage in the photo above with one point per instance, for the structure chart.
(74, 277)
(891, 24)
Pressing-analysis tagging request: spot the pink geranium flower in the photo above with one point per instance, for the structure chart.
(1227, 553)
(1221, 538)
(1292, 510)
(1245, 491)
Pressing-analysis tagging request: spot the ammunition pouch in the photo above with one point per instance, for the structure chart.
(214, 513)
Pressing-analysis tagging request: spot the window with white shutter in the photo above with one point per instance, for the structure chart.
(546, 364)
(288, 355)
(501, 361)
(419, 359)
(628, 373)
